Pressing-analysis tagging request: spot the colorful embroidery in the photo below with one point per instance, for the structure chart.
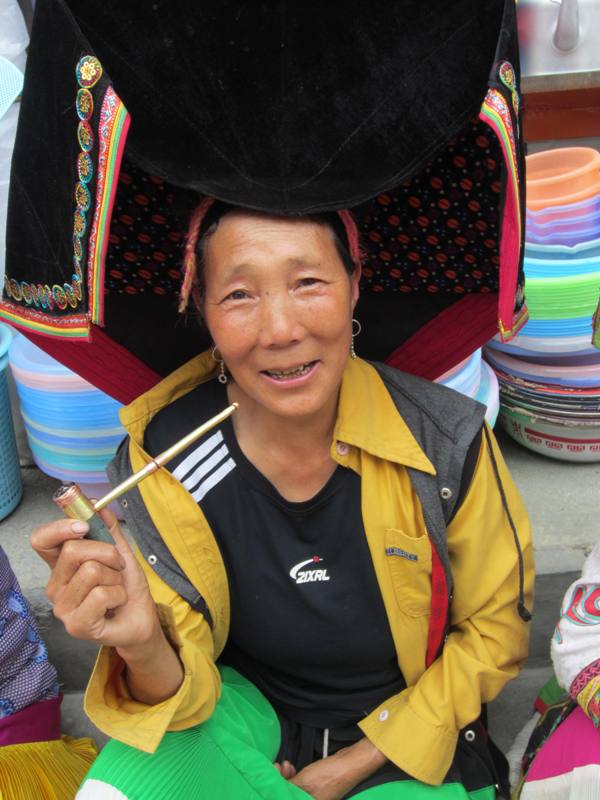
(77, 250)
(507, 76)
(88, 72)
(44, 296)
(79, 223)
(496, 113)
(112, 133)
(45, 301)
(584, 606)
(85, 137)
(584, 678)
(84, 104)
(589, 698)
(515, 100)
(73, 326)
(82, 196)
(85, 168)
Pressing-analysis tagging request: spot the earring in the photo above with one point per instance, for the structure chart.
(356, 329)
(222, 376)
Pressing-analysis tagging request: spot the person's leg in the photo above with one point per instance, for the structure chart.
(230, 755)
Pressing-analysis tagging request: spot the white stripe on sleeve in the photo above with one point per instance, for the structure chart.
(205, 467)
(197, 455)
(213, 479)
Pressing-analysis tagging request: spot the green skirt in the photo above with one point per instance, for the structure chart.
(228, 757)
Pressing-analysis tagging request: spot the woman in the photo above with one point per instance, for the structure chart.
(281, 607)
(562, 757)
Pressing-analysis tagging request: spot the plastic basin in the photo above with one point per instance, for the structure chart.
(562, 176)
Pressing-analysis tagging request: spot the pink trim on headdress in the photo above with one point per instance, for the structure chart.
(352, 235)
(189, 285)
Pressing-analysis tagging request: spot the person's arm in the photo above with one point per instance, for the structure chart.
(155, 670)
(487, 643)
(333, 777)
(575, 645)
(114, 701)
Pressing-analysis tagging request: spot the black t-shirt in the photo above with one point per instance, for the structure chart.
(308, 624)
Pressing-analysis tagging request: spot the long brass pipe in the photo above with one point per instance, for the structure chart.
(74, 504)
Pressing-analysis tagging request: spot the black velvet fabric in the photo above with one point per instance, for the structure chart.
(293, 106)
(288, 107)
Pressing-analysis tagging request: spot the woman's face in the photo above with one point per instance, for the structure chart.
(278, 304)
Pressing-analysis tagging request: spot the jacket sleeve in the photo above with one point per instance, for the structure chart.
(576, 642)
(487, 642)
(108, 702)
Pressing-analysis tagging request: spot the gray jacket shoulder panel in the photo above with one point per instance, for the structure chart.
(443, 421)
(147, 537)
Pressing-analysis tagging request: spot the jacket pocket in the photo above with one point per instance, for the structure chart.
(409, 562)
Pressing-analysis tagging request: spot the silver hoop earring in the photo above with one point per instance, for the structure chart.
(356, 329)
(222, 376)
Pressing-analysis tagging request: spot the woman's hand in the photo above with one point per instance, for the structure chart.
(100, 593)
(325, 779)
(98, 590)
(333, 777)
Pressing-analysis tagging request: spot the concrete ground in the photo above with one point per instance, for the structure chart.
(562, 499)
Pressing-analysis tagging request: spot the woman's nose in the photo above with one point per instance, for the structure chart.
(279, 323)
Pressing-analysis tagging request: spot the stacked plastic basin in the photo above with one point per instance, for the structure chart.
(474, 378)
(11, 488)
(549, 374)
(73, 429)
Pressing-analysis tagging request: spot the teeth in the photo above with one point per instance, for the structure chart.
(301, 370)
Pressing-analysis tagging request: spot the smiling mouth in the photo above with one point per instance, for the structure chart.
(293, 372)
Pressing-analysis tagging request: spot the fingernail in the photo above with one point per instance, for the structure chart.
(79, 526)
(123, 562)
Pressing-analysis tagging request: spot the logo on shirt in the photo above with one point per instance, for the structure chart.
(299, 573)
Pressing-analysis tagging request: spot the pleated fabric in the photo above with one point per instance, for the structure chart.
(229, 756)
(45, 770)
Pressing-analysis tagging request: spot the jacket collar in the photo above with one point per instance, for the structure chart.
(367, 417)
(138, 414)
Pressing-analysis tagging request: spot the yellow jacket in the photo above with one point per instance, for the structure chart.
(418, 728)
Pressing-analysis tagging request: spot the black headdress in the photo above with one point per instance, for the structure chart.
(407, 113)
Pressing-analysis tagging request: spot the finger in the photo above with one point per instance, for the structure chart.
(88, 621)
(73, 554)
(89, 575)
(47, 540)
(135, 580)
(112, 523)
(288, 770)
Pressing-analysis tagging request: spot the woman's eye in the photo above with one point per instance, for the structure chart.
(238, 294)
(308, 281)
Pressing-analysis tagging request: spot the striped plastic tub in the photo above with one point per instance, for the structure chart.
(11, 488)
(73, 429)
